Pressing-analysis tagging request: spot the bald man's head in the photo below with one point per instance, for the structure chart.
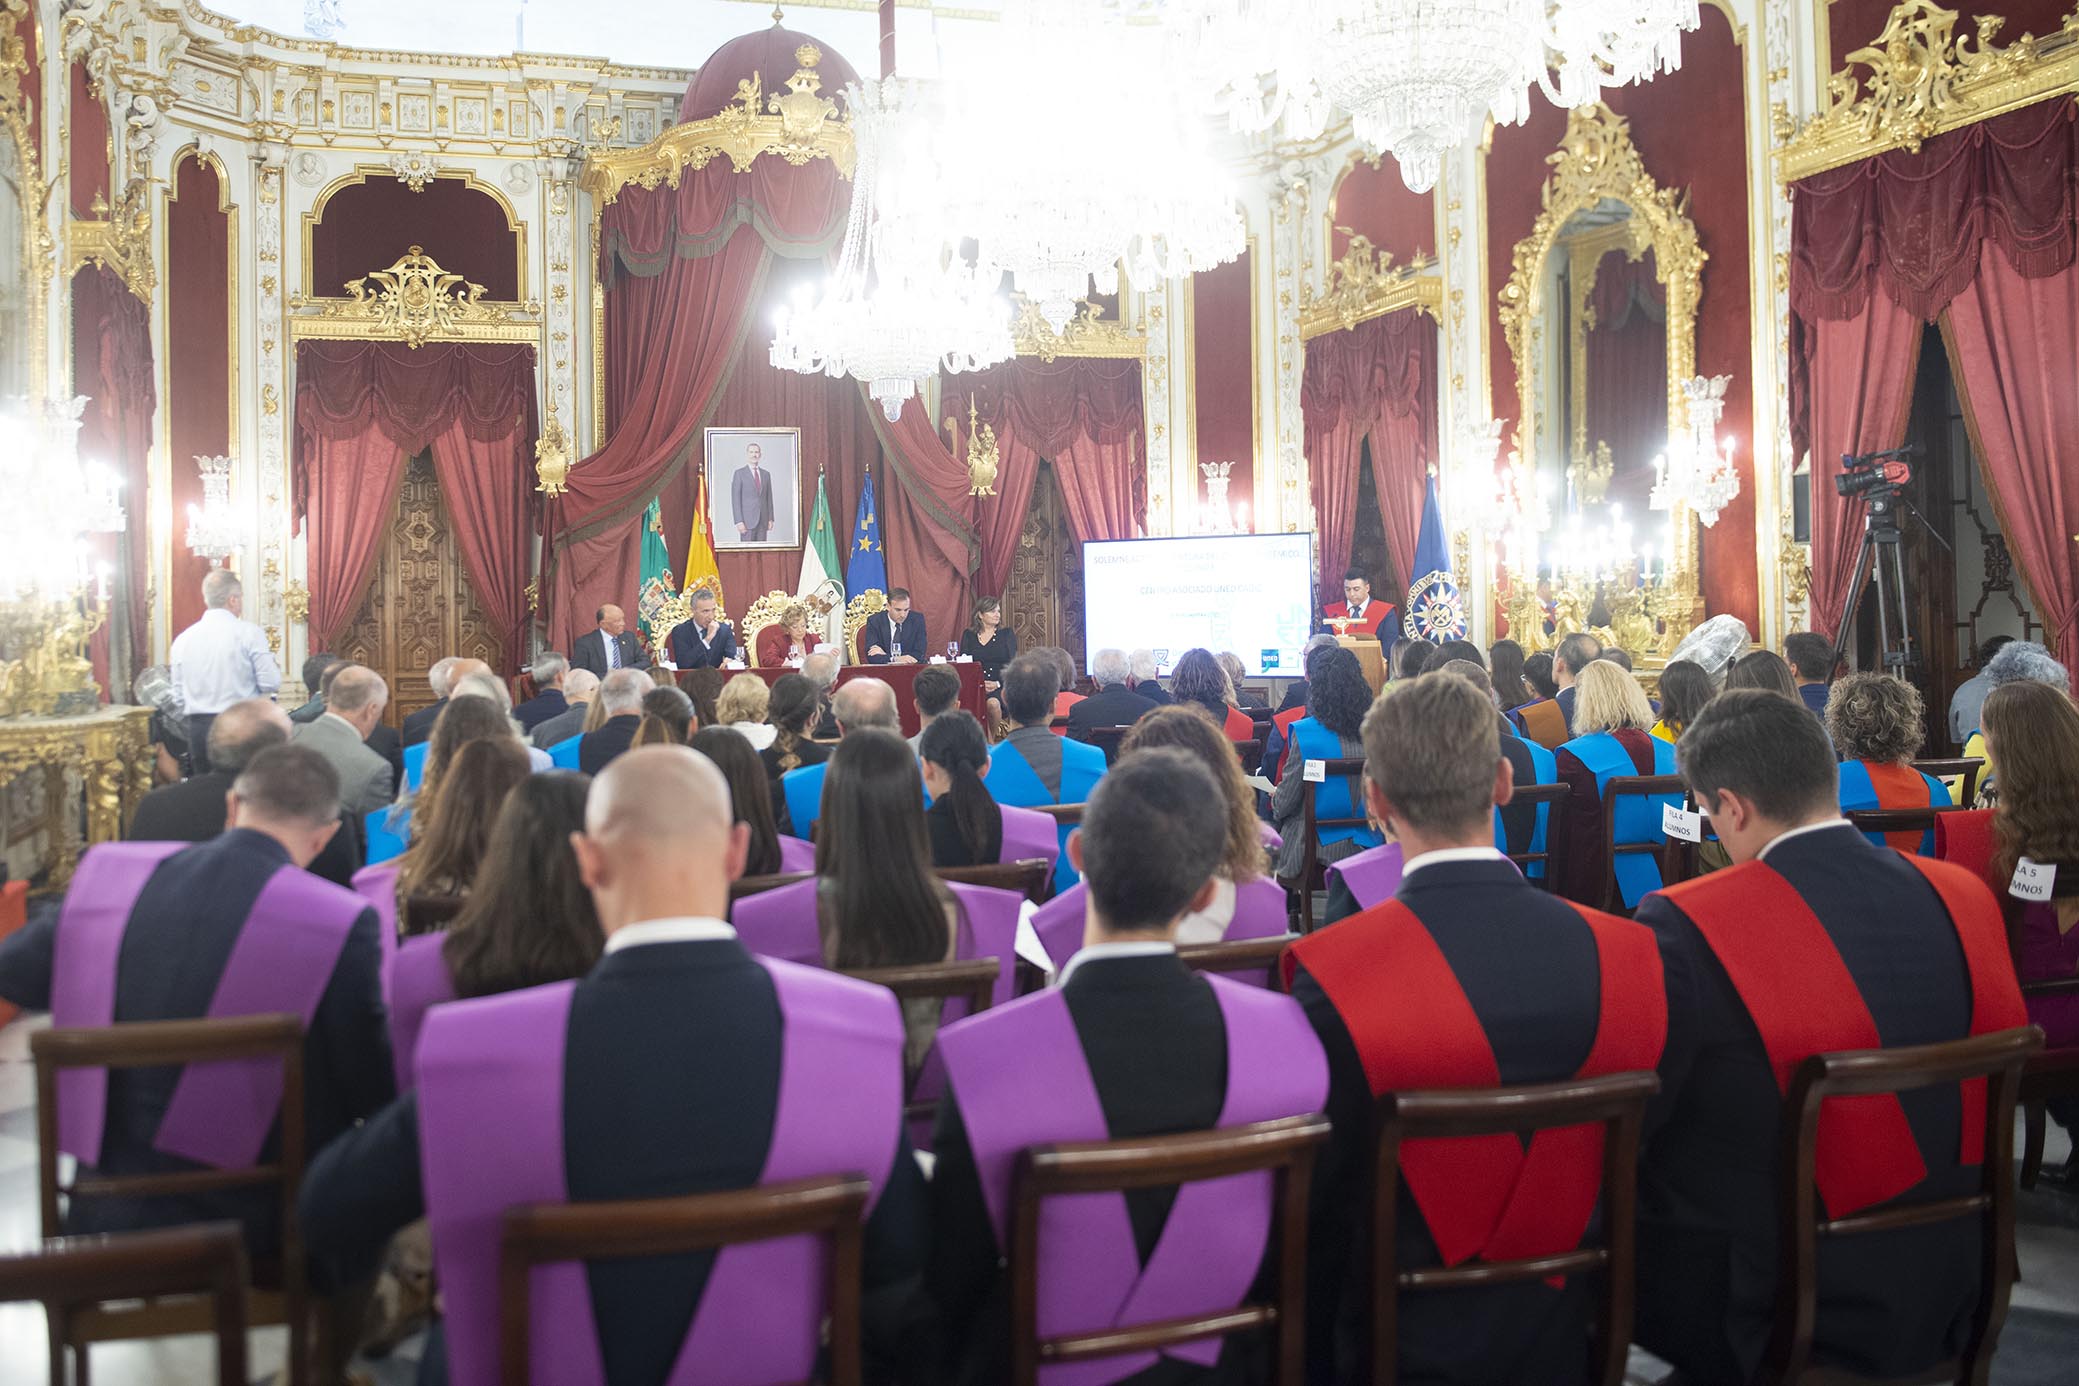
(660, 838)
(864, 703)
(464, 668)
(243, 730)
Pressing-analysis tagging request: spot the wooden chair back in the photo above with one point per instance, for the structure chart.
(429, 914)
(1239, 955)
(1029, 876)
(1064, 815)
(1552, 799)
(1287, 1147)
(1251, 751)
(546, 1233)
(1313, 875)
(1968, 769)
(204, 1259)
(1671, 858)
(1107, 739)
(162, 1044)
(1617, 1102)
(1899, 820)
(1998, 1059)
(970, 979)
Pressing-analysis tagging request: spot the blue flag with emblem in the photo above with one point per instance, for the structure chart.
(1435, 610)
(866, 565)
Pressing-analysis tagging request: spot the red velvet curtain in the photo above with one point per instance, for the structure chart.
(2014, 344)
(928, 515)
(1628, 374)
(1372, 383)
(362, 409)
(112, 366)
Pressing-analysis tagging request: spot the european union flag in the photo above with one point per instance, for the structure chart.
(866, 565)
(1435, 610)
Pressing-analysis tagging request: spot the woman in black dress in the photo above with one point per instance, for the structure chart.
(988, 644)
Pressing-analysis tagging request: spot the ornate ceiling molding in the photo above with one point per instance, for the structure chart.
(798, 125)
(414, 301)
(1366, 284)
(1922, 80)
(1087, 334)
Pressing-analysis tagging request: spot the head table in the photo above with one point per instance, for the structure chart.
(900, 677)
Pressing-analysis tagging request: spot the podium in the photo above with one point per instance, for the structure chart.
(1371, 657)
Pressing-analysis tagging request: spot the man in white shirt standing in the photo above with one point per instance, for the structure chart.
(220, 660)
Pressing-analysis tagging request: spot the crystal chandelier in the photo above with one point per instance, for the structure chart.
(213, 530)
(1698, 469)
(1252, 58)
(904, 300)
(53, 501)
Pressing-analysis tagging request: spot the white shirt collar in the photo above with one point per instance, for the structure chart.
(682, 929)
(1825, 825)
(1101, 952)
(1450, 854)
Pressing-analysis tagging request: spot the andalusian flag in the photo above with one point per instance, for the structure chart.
(701, 568)
(656, 586)
(820, 571)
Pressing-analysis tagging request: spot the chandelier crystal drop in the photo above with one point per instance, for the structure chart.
(904, 301)
(1698, 470)
(213, 530)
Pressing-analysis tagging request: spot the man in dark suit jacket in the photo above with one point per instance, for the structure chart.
(1855, 933)
(667, 985)
(623, 690)
(1531, 970)
(1142, 678)
(896, 635)
(180, 933)
(750, 498)
(705, 641)
(314, 684)
(441, 678)
(592, 648)
(1574, 654)
(194, 809)
(1113, 704)
(548, 700)
(580, 687)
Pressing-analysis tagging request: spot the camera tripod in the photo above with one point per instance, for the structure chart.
(1878, 561)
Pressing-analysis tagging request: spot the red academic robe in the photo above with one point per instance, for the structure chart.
(1375, 614)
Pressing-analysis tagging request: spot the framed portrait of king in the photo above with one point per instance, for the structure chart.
(754, 487)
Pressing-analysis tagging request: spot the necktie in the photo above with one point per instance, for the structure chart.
(613, 651)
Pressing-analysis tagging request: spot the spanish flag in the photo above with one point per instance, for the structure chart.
(701, 568)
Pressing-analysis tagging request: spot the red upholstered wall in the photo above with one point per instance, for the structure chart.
(1690, 129)
(1853, 24)
(367, 226)
(1223, 394)
(198, 361)
(88, 119)
(1375, 202)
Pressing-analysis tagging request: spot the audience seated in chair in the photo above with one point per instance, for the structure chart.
(451, 831)
(621, 694)
(794, 708)
(742, 706)
(965, 822)
(580, 687)
(228, 927)
(668, 718)
(1612, 740)
(1815, 941)
(549, 700)
(1198, 678)
(1337, 698)
(589, 1091)
(1541, 719)
(1685, 687)
(1874, 722)
(750, 798)
(1130, 1044)
(1469, 976)
(1114, 704)
(1031, 766)
(861, 705)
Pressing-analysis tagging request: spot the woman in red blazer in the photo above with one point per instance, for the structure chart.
(785, 638)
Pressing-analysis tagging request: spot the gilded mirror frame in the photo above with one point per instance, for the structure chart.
(1595, 161)
(37, 252)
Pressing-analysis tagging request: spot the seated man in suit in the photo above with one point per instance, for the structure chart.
(704, 640)
(1816, 940)
(622, 691)
(547, 1095)
(1131, 1043)
(232, 926)
(549, 700)
(1572, 655)
(313, 684)
(1468, 977)
(610, 645)
(1032, 766)
(857, 705)
(1142, 678)
(895, 635)
(383, 739)
(440, 681)
(580, 687)
(1113, 704)
(354, 703)
(195, 810)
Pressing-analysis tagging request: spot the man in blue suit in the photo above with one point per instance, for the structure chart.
(896, 635)
(1032, 766)
(705, 641)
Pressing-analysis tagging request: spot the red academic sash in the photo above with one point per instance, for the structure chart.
(1803, 1001)
(1284, 721)
(1966, 840)
(1544, 723)
(1414, 1028)
(1899, 787)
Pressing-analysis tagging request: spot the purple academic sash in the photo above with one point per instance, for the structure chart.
(1372, 875)
(220, 1113)
(1259, 912)
(1021, 1079)
(415, 980)
(781, 923)
(491, 1079)
(796, 855)
(1028, 833)
(378, 886)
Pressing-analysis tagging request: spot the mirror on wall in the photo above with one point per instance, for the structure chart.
(16, 339)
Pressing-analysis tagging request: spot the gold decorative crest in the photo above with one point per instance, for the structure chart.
(1366, 284)
(552, 456)
(982, 457)
(415, 301)
(798, 124)
(1087, 334)
(1921, 79)
(120, 238)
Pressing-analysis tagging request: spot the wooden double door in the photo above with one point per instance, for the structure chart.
(1043, 603)
(420, 606)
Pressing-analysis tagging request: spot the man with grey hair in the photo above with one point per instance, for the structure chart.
(353, 706)
(220, 660)
(441, 680)
(859, 705)
(1114, 704)
(548, 701)
(705, 641)
(580, 687)
(2017, 661)
(622, 692)
(821, 669)
(1141, 677)
(493, 690)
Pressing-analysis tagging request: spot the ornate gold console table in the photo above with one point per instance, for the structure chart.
(68, 776)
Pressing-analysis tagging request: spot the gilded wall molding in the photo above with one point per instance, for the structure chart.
(38, 251)
(120, 238)
(1086, 334)
(1366, 284)
(363, 173)
(1921, 79)
(414, 301)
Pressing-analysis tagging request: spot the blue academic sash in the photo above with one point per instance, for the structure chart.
(803, 788)
(1638, 817)
(564, 754)
(1545, 766)
(1857, 792)
(415, 765)
(1332, 798)
(1012, 780)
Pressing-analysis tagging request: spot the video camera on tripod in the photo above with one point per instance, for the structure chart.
(1875, 471)
(1880, 479)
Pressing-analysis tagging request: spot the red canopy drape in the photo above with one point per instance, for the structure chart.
(362, 409)
(112, 366)
(1959, 227)
(1374, 382)
(1628, 374)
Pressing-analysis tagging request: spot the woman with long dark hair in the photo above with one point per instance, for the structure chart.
(448, 846)
(1198, 678)
(667, 718)
(1333, 729)
(531, 921)
(1685, 687)
(1763, 669)
(750, 793)
(1505, 672)
(965, 822)
(988, 644)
